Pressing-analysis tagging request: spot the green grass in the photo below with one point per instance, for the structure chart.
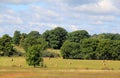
(81, 64)
(58, 68)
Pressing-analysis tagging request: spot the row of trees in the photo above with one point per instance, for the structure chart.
(56, 37)
(92, 48)
(74, 45)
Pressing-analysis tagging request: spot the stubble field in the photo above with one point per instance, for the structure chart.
(59, 68)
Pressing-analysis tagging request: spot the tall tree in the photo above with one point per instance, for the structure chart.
(6, 47)
(76, 36)
(55, 37)
(16, 37)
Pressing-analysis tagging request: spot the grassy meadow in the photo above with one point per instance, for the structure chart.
(59, 68)
(16, 67)
(59, 63)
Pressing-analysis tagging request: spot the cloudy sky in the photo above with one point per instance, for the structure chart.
(95, 16)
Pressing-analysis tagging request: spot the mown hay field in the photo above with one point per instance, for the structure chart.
(16, 67)
(59, 63)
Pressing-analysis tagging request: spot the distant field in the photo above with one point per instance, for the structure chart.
(59, 68)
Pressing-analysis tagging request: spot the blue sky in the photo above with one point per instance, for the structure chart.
(95, 16)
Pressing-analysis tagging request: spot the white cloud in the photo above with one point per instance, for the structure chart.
(101, 7)
(9, 19)
(70, 14)
(102, 17)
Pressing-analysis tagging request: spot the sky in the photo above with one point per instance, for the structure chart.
(94, 16)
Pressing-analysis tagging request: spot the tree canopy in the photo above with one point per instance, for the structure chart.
(73, 45)
(16, 37)
(77, 36)
(6, 47)
(55, 37)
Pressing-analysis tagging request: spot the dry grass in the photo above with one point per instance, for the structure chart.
(58, 68)
(59, 63)
(19, 49)
(45, 73)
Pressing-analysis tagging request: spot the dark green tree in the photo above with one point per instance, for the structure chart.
(77, 36)
(6, 47)
(104, 49)
(34, 56)
(16, 37)
(55, 37)
(70, 50)
(88, 48)
(110, 36)
(34, 34)
(47, 35)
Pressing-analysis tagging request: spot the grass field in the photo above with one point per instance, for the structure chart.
(59, 68)
(59, 63)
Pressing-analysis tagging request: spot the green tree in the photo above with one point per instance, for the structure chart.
(55, 37)
(34, 41)
(70, 50)
(16, 37)
(104, 49)
(6, 47)
(34, 56)
(115, 47)
(22, 40)
(110, 36)
(34, 34)
(46, 35)
(77, 36)
(88, 48)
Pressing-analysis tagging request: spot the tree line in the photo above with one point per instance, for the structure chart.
(73, 45)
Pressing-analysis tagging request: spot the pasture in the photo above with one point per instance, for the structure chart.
(59, 68)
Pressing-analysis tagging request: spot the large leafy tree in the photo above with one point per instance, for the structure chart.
(88, 48)
(6, 47)
(55, 37)
(34, 34)
(29, 42)
(46, 35)
(108, 49)
(70, 50)
(77, 36)
(34, 48)
(16, 37)
(34, 56)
